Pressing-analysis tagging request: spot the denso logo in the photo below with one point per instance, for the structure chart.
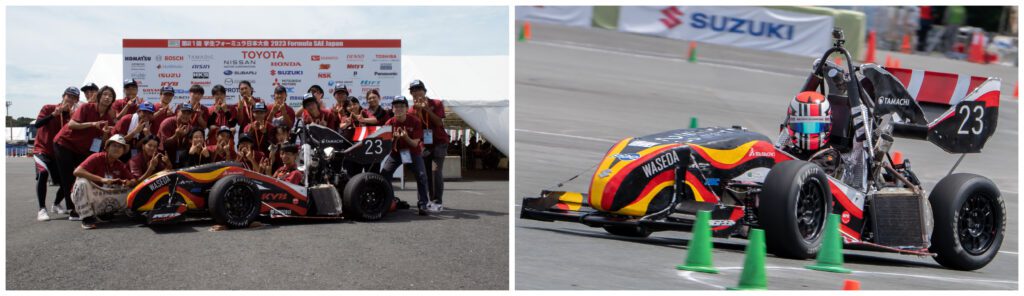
(168, 83)
(659, 164)
(324, 75)
(285, 64)
(736, 25)
(138, 59)
(200, 66)
(354, 66)
(263, 54)
(355, 57)
(285, 72)
(169, 75)
(174, 58)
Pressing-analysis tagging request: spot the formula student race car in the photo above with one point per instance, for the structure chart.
(658, 182)
(235, 196)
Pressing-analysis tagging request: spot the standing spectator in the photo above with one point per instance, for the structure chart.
(51, 119)
(340, 104)
(222, 115)
(134, 127)
(174, 132)
(280, 113)
(163, 108)
(260, 128)
(435, 138)
(131, 101)
(105, 169)
(149, 160)
(373, 102)
(407, 132)
(88, 129)
(245, 103)
(925, 25)
(90, 90)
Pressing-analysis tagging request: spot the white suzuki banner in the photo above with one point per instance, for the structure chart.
(748, 27)
(576, 16)
(359, 65)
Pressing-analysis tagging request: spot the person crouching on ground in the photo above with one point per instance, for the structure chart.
(149, 160)
(103, 181)
(407, 132)
(248, 155)
(288, 172)
(224, 148)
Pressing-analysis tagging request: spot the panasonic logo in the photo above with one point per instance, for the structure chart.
(659, 164)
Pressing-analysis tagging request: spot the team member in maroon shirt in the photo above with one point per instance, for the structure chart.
(378, 111)
(174, 132)
(245, 103)
(104, 169)
(288, 171)
(198, 154)
(435, 138)
(318, 93)
(135, 127)
(222, 115)
(224, 148)
(248, 155)
(357, 117)
(279, 111)
(89, 127)
(50, 120)
(260, 129)
(149, 160)
(89, 90)
(200, 113)
(407, 132)
(131, 100)
(313, 112)
(164, 108)
(339, 111)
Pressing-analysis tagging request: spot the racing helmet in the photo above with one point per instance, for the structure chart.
(810, 121)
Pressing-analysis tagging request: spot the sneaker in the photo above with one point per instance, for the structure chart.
(89, 223)
(59, 209)
(74, 218)
(433, 207)
(423, 210)
(42, 216)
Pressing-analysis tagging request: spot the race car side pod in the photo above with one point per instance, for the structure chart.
(170, 212)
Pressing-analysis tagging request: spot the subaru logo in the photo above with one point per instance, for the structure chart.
(227, 72)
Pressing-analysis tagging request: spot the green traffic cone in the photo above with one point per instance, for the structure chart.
(693, 122)
(830, 256)
(753, 276)
(698, 251)
(522, 36)
(693, 52)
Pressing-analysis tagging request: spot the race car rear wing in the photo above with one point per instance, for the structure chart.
(964, 127)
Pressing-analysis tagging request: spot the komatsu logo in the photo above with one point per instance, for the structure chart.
(659, 164)
(894, 101)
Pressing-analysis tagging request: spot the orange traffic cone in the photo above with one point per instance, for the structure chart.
(897, 63)
(838, 61)
(692, 56)
(897, 158)
(526, 34)
(870, 56)
(977, 52)
(851, 285)
(888, 61)
(905, 46)
(1015, 90)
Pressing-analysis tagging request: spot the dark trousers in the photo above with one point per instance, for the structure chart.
(433, 158)
(46, 169)
(67, 161)
(391, 165)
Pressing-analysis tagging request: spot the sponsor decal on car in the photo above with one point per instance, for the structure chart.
(627, 156)
(659, 164)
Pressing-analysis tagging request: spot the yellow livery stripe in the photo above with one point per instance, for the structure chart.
(639, 208)
(729, 156)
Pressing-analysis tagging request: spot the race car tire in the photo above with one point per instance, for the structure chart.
(629, 231)
(234, 201)
(367, 196)
(792, 209)
(970, 218)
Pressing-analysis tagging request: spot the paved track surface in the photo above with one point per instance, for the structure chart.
(579, 90)
(465, 247)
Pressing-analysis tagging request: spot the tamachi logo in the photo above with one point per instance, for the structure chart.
(735, 25)
(894, 101)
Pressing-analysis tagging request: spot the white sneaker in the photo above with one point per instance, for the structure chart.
(433, 207)
(59, 209)
(73, 218)
(42, 216)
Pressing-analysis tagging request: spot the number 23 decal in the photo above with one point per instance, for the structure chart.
(977, 113)
(374, 146)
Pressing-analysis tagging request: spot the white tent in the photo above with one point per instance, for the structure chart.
(474, 87)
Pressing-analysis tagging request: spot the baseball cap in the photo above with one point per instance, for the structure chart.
(280, 89)
(308, 97)
(245, 137)
(166, 89)
(117, 138)
(225, 129)
(417, 84)
(342, 88)
(132, 81)
(400, 100)
(147, 106)
(90, 86)
(71, 90)
(186, 107)
(259, 106)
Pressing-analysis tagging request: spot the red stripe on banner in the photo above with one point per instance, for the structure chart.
(975, 82)
(937, 87)
(902, 74)
(256, 43)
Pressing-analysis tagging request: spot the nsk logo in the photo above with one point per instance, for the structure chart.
(138, 59)
(285, 64)
(894, 101)
(169, 75)
(324, 75)
(659, 164)
(354, 66)
(264, 54)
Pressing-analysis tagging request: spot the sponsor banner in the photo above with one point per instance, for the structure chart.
(576, 16)
(296, 64)
(747, 27)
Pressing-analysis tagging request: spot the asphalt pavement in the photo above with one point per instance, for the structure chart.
(578, 90)
(464, 247)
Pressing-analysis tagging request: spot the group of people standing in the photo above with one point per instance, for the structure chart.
(106, 143)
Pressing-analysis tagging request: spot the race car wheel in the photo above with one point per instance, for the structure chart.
(367, 196)
(630, 231)
(234, 202)
(792, 208)
(970, 217)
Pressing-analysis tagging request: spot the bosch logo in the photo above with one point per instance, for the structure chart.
(174, 58)
(263, 54)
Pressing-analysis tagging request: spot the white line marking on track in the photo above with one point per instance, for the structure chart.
(568, 136)
(689, 276)
(1008, 252)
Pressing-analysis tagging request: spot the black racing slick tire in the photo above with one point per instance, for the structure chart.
(367, 196)
(629, 231)
(970, 218)
(234, 201)
(793, 206)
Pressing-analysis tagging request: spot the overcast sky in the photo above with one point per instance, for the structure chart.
(50, 48)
